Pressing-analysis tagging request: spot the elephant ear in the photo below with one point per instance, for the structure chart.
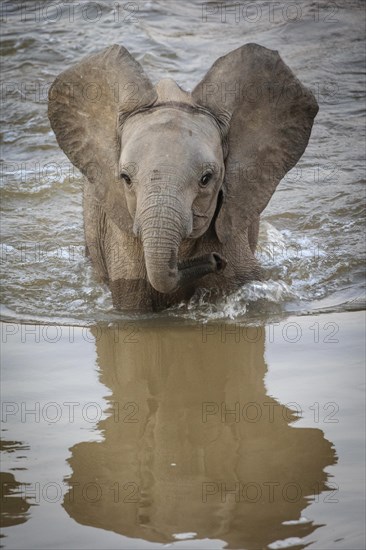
(268, 115)
(85, 103)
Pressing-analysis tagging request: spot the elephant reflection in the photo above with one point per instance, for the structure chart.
(14, 505)
(193, 444)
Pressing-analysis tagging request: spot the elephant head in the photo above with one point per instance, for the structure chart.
(169, 166)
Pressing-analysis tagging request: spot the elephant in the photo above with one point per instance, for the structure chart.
(175, 181)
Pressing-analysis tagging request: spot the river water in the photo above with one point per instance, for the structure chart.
(166, 478)
(311, 240)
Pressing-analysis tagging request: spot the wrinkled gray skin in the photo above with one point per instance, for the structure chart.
(175, 182)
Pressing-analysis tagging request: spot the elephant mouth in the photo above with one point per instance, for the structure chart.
(195, 268)
(213, 261)
(180, 274)
(221, 262)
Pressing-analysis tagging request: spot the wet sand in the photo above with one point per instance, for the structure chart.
(193, 436)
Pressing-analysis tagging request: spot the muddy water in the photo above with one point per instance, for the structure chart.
(206, 436)
(311, 241)
(211, 425)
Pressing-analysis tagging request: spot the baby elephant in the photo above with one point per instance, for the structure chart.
(175, 181)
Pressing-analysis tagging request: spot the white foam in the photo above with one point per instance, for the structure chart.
(285, 543)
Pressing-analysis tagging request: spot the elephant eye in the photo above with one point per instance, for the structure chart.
(126, 178)
(206, 178)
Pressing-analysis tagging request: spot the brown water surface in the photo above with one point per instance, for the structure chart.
(203, 436)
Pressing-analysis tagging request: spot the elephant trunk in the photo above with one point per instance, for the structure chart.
(162, 228)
